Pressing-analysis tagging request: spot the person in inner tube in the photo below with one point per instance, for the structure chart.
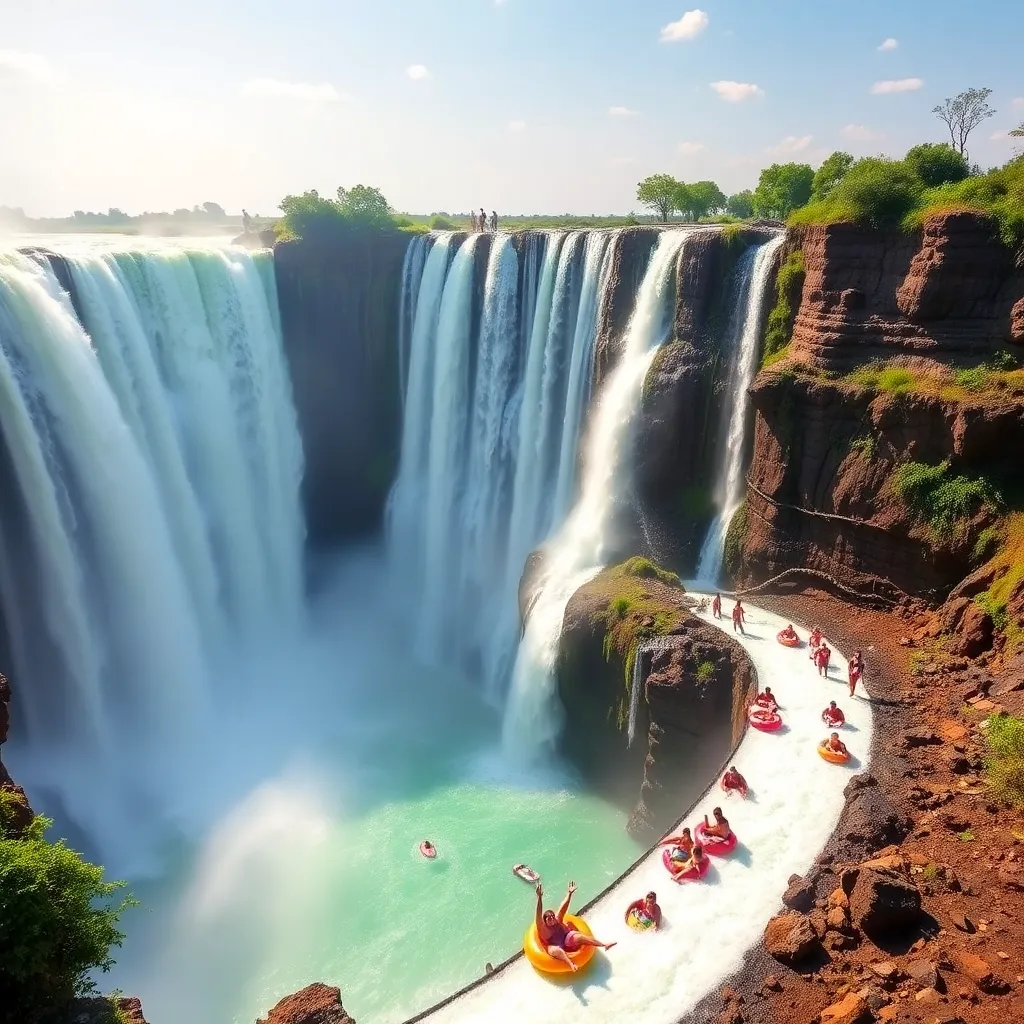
(835, 744)
(695, 863)
(720, 829)
(646, 909)
(557, 938)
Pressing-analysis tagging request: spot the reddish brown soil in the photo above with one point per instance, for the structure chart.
(963, 852)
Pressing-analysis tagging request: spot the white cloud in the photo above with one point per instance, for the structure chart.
(889, 44)
(33, 66)
(417, 72)
(860, 133)
(621, 161)
(791, 144)
(689, 148)
(737, 92)
(517, 126)
(689, 26)
(1018, 101)
(306, 91)
(621, 112)
(896, 85)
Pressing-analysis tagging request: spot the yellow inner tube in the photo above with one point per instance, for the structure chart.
(538, 955)
(831, 756)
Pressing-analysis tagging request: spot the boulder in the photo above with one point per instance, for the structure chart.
(852, 1009)
(972, 966)
(884, 902)
(791, 939)
(800, 895)
(869, 821)
(315, 1004)
(973, 634)
(919, 737)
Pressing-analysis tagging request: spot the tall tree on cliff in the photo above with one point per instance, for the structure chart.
(829, 174)
(699, 199)
(962, 114)
(658, 192)
(782, 188)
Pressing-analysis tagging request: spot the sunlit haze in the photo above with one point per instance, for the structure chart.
(519, 105)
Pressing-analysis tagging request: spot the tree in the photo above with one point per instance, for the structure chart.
(1018, 132)
(937, 164)
(658, 192)
(962, 114)
(705, 198)
(58, 921)
(829, 174)
(214, 211)
(782, 188)
(366, 205)
(741, 204)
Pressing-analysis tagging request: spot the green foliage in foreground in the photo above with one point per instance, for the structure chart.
(940, 499)
(1005, 760)
(58, 922)
(788, 286)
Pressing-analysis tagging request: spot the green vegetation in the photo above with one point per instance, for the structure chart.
(930, 872)
(696, 201)
(894, 380)
(987, 544)
(962, 114)
(936, 165)
(361, 208)
(1007, 569)
(645, 569)
(1005, 760)
(783, 188)
(58, 922)
(788, 286)
(705, 670)
(829, 174)
(658, 193)
(967, 836)
(940, 499)
(866, 445)
(732, 556)
(740, 205)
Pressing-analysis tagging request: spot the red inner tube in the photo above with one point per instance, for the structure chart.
(691, 874)
(763, 719)
(716, 847)
(788, 641)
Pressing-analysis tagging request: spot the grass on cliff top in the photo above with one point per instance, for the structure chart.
(638, 607)
(1005, 759)
(997, 379)
(941, 499)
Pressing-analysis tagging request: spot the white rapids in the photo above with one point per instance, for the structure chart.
(796, 799)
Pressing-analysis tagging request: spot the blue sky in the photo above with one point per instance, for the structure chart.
(519, 105)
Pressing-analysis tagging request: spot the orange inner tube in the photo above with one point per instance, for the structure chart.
(788, 641)
(539, 957)
(831, 756)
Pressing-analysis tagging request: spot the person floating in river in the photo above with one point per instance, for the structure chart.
(738, 615)
(833, 715)
(856, 671)
(683, 844)
(646, 909)
(694, 864)
(716, 606)
(720, 829)
(835, 744)
(789, 633)
(732, 781)
(766, 699)
(558, 939)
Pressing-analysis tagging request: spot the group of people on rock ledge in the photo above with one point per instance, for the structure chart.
(481, 222)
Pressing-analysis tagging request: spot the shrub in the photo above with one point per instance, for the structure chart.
(875, 191)
(361, 208)
(895, 380)
(1005, 760)
(644, 568)
(865, 445)
(705, 670)
(788, 286)
(939, 499)
(936, 164)
(58, 922)
(977, 378)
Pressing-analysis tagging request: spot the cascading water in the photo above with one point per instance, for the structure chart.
(730, 485)
(489, 455)
(533, 715)
(155, 464)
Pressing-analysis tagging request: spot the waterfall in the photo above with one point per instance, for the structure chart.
(577, 551)
(492, 414)
(152, 520)
(729, 486)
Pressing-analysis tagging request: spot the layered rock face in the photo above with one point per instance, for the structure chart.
(826, 447)
(339, 314)
(18, 814)
(950, 290)
(315, 1004)
(689, 710)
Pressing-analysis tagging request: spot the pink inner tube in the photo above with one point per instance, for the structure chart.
(430, 852)
(691, 874)
(716, 847)
(763, 719)
(835, 723)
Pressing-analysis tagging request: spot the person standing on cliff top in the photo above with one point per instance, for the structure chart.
(246, 223)
(494, 220)
(738, 615)
(483, 219)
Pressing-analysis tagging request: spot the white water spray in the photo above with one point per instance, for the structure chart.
(730, 484)
(533, 716)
